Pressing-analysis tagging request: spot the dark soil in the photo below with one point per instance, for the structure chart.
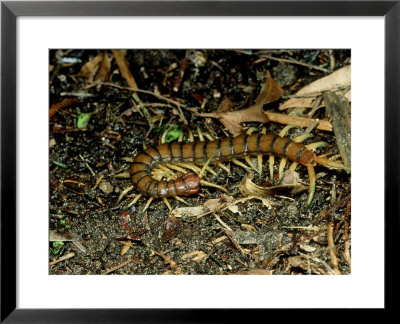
(83, 164)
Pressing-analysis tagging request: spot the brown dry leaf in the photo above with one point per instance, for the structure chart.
(104, 71)
(195, 256)
(338, 79)
(271, 91)
(64, 237)
(171, 228)
(126, 245)
(62, 104)
(97, 69)
(232, 119)
(289, 184)
(90, 68)
(213, 204)
(189, 211)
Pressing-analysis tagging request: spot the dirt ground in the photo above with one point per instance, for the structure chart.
(106, 106)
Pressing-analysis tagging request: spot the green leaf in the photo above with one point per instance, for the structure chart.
(173, 134)
(57, 246)
(61, 165)
(83, 120)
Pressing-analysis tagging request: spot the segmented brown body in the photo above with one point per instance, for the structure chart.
(218, 151)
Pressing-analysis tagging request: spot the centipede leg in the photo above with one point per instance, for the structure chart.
(250, 162)
(312, 178)
(293, 166)
(123, 193)
(301, 138)
(134, 201)
(147, 204)
(181, 200)
(237, 162)
(176, 168)
(192, 167)
(271, 162)
(285, 130)
(260, 166)
(313, 146)
(167, 203)
(210, 184)
(282, 165)
(223, 166)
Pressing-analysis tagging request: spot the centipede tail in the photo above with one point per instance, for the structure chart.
(220, 150)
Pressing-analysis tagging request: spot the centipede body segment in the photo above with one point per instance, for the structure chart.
(219, 150)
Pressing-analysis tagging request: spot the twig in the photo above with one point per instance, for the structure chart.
(298, 121)
(293, 61)
(123, 264)
(65, 257)
(332, 251)
(88, 166)
(178, 105)
(126, 73)
(346, 234)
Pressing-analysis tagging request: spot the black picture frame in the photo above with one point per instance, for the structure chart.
(10, 10)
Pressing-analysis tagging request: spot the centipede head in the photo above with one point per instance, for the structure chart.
(187, 185)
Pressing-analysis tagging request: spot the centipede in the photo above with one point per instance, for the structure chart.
(216, 151)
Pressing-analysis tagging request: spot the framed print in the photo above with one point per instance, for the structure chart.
(197, 155)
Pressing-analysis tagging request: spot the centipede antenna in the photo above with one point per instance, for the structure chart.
(312, 178)
(181, 200)
(192, 167)
(123, 193)
(147, 204)
(301, 138)
(241, 164)
(210, 184)
(167, 203)
(313, 146)
(260, 164)
(223, 166)
(285, 130)
(282, 165)
(331, 164)
(250, 162)
(271, 162)
(176, 168)
(293, 166)
(201, 137)
(134, 201)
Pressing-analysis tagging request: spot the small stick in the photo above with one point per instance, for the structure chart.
(298, 121)
(332, 251)
(65, 257)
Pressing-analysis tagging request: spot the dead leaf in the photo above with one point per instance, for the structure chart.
(232, 119)
(62, 104)
(195, 256)
(289, 184)
(271, 91)
(171, 227)
(338, 79)
(189, 211)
